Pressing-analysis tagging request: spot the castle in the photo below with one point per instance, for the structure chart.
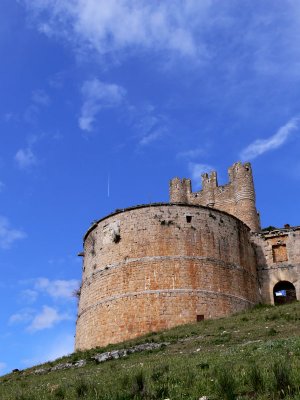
(202, 255)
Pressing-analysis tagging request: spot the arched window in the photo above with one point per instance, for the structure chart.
(284, 292)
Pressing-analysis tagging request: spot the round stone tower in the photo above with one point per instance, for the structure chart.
(240, 176)
(152, 267)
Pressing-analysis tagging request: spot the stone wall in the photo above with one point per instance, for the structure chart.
(236, 198)
(156, 266)
(278, 259)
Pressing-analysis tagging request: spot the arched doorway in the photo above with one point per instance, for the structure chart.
(284, 292)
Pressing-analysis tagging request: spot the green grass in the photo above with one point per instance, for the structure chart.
(251, 355)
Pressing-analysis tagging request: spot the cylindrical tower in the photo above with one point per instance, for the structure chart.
(245, 209)
(152, 267)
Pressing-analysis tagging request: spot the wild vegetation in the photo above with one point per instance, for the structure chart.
(251, 355)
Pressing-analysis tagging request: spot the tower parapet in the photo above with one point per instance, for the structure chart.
(180, 190)
(237, 197)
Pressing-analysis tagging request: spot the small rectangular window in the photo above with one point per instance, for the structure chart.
(200, 318)
(279, 253)
(188, 219)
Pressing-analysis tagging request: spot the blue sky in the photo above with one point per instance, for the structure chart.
(134, 92)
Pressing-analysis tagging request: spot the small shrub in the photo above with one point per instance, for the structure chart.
(139, 384)
(125, 381)
(272, 332)
(81, 388)
(282, 374)
(256, 379)
(225, 384)
(272, 317)
(203, 365)
(159, 372)
(60, 393)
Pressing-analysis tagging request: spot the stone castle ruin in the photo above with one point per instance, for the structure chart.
(202, 255)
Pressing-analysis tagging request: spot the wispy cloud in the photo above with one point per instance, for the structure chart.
(196, 170)
(113, 26)
(51, 290)
(261, 146)
(189, 154)
(25, 158)
(97, 96)
(152, 136)
(47, 318)
(39, 99)
(150, 124)
(57, 288)
(9, 235)
(24, 315)
(2, 186)
(39, 320)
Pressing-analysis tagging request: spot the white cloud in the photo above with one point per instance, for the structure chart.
(9, 235)
(261, 146)
(110, 26)
(23, 316)
(2, 186)
(25, 158)
(47, 318)
(98, 95)
(57, 288)
(196, 170)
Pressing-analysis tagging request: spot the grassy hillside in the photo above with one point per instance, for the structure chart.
(251, 355)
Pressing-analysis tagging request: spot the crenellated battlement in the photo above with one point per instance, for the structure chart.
(237, 197)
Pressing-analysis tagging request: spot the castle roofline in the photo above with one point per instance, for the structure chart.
(278, 231)
(138, 206)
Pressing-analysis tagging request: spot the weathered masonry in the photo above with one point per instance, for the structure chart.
(278, 264)
(155, 266)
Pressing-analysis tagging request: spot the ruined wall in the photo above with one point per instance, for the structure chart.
(153, 267)
(278, 259)
(236, 198)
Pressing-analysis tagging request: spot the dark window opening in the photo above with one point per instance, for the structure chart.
(279, 253)
(188, 218)
(284, 292)
(200, 318)
(117, 238)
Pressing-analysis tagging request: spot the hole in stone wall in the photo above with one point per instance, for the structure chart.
(117, 238)
(200, 317)
(284, 292)
(188, 218)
